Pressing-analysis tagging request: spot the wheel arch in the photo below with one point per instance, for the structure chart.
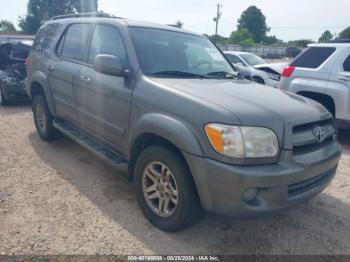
(156, 129)
(324, 99)
(39, 85)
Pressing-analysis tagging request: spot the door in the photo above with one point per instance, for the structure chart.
(64, 68)
(103, 101)
(339, 85)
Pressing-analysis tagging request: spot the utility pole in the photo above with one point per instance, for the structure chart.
(216, 20)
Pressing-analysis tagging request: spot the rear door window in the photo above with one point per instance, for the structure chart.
(346, 64)
(313, 57)
(75, 42)
(45, 36)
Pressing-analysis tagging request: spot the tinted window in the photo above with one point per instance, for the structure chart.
(45, 36)
(313, 57)
(75, 41)
(107, 40)
(234, 59)
(347, 64)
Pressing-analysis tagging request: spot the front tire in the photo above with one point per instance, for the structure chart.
(258, 80)
(43, 119)
(165, 190)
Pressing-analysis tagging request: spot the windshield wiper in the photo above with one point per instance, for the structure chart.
(222, 74)
(179, 74)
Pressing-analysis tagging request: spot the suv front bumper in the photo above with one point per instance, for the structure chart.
(292, 181)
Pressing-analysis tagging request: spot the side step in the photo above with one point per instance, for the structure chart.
(93, 146)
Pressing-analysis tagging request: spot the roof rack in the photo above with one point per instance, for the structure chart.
(80, 15)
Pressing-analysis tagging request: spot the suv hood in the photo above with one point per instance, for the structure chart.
(253, 104)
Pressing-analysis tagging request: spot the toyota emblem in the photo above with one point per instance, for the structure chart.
(321, 134)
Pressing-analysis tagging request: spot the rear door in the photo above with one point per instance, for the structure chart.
(339, 85)
(103, 101)
(65, 67)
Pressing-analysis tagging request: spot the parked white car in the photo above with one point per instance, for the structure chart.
(322, 73)
(261, 71)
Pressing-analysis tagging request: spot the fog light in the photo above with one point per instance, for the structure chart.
(250, 194)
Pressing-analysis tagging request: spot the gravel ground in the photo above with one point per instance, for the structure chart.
(59, 199)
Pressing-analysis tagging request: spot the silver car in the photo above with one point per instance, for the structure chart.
(260, 71)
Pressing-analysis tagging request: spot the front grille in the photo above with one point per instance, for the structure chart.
(304, 138)
(307, 185)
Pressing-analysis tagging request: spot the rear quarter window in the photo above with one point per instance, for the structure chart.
(313, 57)
(45, 36)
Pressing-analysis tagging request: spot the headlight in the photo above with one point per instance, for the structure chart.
(274, 77)
(242, 142)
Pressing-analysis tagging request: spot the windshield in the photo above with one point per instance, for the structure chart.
(252, 59)
(173, 54)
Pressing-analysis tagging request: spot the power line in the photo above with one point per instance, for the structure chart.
(216, 20)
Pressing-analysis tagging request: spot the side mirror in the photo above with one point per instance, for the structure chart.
(109, 65)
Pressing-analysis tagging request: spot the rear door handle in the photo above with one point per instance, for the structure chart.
(85, 79)
(50, 68)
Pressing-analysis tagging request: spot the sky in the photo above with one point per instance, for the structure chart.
(288, 19)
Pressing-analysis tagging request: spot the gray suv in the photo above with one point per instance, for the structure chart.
(164, 106)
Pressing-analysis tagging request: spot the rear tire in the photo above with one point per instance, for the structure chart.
(3, 99)
(43, 119)
(180, 206)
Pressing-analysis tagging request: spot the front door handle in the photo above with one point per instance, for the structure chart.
(85, 79)
(50, 68)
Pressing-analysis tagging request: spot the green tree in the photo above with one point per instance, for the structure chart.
(325, 37)
(42, 10)
(272, 40)
(241, 37)
(345, 34)
(7, 27)
(254, 21)
(220, 39)
(300, 43)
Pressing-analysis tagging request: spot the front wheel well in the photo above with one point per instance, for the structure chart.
(258, 79)
(323, 99)
(144, 141)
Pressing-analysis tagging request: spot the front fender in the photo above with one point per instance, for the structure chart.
(41, 79)
(168, 128)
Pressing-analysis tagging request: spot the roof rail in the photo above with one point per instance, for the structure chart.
(79, 15)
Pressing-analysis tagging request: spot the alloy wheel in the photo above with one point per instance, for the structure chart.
(41, 117)
(160, 189)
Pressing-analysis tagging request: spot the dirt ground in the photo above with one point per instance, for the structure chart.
(59, 199)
